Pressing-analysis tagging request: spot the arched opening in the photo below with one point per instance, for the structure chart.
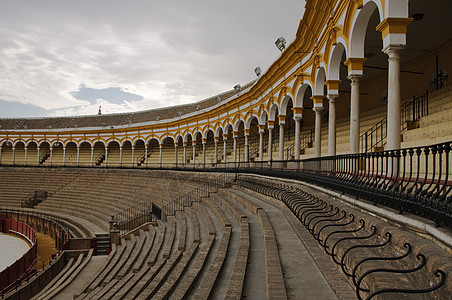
(167, 152)
(32, 153)
(188, 149)
(98, 154)
(19, 153)
(139, 154)
(210, 147)
(57, 154)
(126, 157)
(7, 153)
(253, 138)
(71, 154)
(153, 153)
(113, 156)
(44, 152)
(85, 154)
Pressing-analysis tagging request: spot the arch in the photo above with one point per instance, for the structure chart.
(264, 117)
(138, 140)
(273, 112)
(335, 61)
(228, 128)
(320, 81)
(359, 28)
(237, 124)
(31, 142)
(285, 102)
(206, 133)
(249, 120)
(299, 99)
(186, 136)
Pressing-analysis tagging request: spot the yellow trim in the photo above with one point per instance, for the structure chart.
(393, 25)
(355, 63)
(318, 99)
(282, 118)
(297, 110)
(271, 123)
(333, 84)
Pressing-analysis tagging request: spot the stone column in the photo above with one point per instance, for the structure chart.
(318, 108)
(14, 155)
(355, 72)
(282, 121)
(160, 154)
(64, 155)
(333, 93)
(51, 154)
(270, 125)
(261, 142)
(235, 135)
(247, 133)
(225, 138)
(185, 152)
(204, 141)
(393, 32)
(120, 156)
(26, 154)
(394, 135)
(92, 155)
(194, 153)
(146, 155)
(216, 149)
(332, 124)
(133, 156)
(354, 113)
(106, 156)
(297, 116)
(38, 155)
(78, 155)
(175, 154)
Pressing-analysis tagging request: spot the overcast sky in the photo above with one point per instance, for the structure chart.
(62, 58)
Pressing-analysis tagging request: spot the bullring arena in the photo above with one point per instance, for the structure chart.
(327, 177)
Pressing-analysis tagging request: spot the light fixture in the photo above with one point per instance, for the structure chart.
(218, 99)
(258, 71)
(237, 88)
(56, 144)
(281, 44)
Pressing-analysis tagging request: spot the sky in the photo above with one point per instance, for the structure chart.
(67, 58)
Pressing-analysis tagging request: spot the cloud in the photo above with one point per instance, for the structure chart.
(150, 53)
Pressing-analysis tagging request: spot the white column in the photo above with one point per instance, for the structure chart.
(133, 156)
(185, 153)
(270, 140)
(51, 155)
(78, 155)
(38, 154)
(146, 155)
(235, 147)
(225, 138)
(281, 140)
(246, 146)
(160, 154)
(64, 155)
(354, 113)
(194, 154)
(204, 152)
(332, 124)
(14, 155)
(175, 154)
(26, 154)
(1, 154)
(92, 156)
(261, 144)
(120, 156)
(318, 131)
(394, 139)
(106, 156)
(297, 119)
(216, 150)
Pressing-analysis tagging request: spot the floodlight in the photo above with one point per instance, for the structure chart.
(237, 88)
(281, 44)
(258, 71)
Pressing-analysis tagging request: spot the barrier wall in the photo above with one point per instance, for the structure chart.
(26, 262)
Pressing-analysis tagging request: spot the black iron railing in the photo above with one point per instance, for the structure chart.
(197, 194)
(375, 138)
(136, 216)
